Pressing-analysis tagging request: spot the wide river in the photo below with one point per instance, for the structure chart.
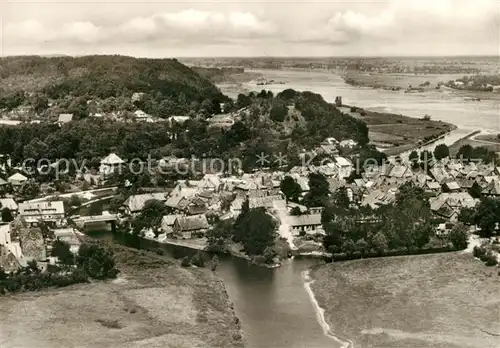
(444, 105)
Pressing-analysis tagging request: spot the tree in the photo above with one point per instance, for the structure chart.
(7, 215)
(318, 191)
(441, 151)
(487, 216)
(379, 243)
(458, 236)
(197, 260)
(269, 255)
(467, 216)
(62, 251)
(96, 208)
(348, 247)
(295, 211)
(278, 112)
(75, 201)
(341, 199)
(465, 152)
(290, 188)
(30, 189)
(214, 263)
(219, 236)
(185, 262)
(97, 261)
(413, 157)
(327, 214)
(40, 104)
(257, 231)
(152, 214)
(361, 246)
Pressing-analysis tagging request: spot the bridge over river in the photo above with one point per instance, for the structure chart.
(82, 221)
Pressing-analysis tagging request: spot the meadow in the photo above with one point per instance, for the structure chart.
(445, 300)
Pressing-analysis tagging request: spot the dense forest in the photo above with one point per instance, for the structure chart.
(170, 86)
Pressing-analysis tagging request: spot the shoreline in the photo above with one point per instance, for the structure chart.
(320, 312)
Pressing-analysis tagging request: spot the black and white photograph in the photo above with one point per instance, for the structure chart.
(250, 174)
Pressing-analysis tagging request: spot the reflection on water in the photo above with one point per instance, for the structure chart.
(272, 304)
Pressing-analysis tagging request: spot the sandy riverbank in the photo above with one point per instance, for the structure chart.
(445, 300)
(153, 303)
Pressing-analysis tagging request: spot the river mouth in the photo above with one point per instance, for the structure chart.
(273, 305)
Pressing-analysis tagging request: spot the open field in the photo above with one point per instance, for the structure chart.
(491, 138)
(428, 301)
(153, 303)
(398, 132)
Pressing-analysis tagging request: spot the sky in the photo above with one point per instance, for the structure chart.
(152, 28)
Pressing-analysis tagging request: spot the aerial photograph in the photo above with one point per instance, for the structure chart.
(250, 174)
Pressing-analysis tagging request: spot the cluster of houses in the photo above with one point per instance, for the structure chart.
(192, 204)
(35, 225)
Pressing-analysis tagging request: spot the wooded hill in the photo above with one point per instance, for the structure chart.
(25, 80)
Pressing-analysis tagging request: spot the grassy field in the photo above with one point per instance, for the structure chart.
(153, 303)
(445, 300)
(493, 138)
(397, 132)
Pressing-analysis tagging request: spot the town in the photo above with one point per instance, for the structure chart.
(305, 203)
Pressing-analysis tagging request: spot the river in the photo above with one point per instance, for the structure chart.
(273, 304)
(445, 105)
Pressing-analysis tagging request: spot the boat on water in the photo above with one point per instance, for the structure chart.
(472, 99)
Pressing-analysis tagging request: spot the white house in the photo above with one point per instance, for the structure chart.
(177, 119)
(52, 212)
(17, 179)
(64, 118)
(344, 166)
(303, 224)
(69, 236)
(140, 115)
(110, 164)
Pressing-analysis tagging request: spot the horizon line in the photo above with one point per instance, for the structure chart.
(56, 55)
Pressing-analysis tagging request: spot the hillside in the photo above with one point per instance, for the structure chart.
(30, 80)
(153, 303)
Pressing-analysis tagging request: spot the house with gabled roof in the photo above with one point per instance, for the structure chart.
(135, 203)
(492, 189)
(10, 204)
(110, 164)
(8, 261)
(187, 226)
(17, 179)
(302, 224)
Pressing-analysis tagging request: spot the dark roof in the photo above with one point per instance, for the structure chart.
(192, 223)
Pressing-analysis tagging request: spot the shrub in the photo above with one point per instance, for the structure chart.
(214, 263)
(479, 251)
(185, 262)
(197, 260)
(489, 259)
